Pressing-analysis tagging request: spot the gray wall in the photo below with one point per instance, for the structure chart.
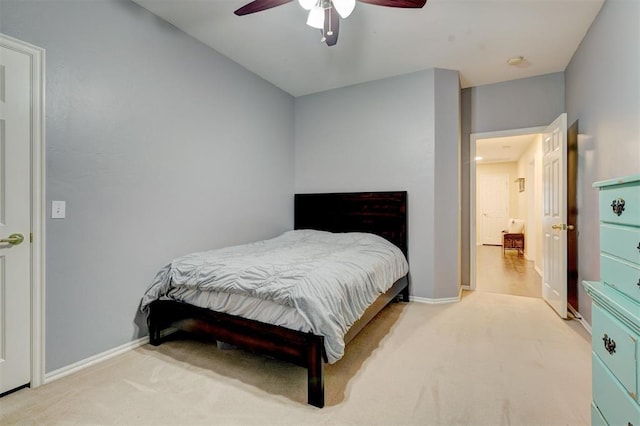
(159, 145)
(447, 203)
(516, 104)
(603, 93)
(381, 136)
(137, 112)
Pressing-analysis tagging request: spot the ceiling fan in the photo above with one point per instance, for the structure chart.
(325, 14)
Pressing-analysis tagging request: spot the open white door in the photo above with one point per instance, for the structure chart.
(20, 139)
(554, 226)
(15, 219)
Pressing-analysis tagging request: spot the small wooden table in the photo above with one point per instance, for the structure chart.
(513, 242)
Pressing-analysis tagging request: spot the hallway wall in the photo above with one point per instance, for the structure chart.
(530, 201)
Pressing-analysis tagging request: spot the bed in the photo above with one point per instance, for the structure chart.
(360, 218)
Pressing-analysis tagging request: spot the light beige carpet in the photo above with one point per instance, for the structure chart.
(490, 359)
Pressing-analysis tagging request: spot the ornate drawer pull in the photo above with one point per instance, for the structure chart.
(618, 206)
(609, 344)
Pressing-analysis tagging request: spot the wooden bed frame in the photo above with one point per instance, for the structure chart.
(381, 213)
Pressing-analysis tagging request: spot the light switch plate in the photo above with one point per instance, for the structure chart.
(58, 209)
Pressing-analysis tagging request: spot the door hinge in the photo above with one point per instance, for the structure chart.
(30, 237)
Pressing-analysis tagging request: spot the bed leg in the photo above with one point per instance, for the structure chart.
(315, 373)
(405, 293)
(154, 336)
(154, 330)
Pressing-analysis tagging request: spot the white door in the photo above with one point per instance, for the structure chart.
(554, 215)
(493, 203)
(15, 217)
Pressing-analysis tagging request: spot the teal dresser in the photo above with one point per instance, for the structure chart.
(615, 318)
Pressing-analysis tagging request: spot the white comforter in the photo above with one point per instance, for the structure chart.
(330, 279)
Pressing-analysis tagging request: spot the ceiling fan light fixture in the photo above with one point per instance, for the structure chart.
(325, 14)
(316, 18)
(307, 4)
(344, 7)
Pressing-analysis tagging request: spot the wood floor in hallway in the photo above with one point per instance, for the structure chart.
(506, 273)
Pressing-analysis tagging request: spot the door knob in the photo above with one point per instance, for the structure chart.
(563, 227)
(13, 239)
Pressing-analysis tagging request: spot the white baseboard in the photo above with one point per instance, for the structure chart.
(585, 325)
(579, 318)
(92, 360)
(435, 301)
(538, 270)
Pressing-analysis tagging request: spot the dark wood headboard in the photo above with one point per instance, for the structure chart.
(380, 213)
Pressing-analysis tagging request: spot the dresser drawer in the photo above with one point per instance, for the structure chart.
(623, 199)
(611, 400)
(621, 241)
(621, 275)
(616, 347)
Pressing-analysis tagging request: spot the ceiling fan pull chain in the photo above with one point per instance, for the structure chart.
(330, 33)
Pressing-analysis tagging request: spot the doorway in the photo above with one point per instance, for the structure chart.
(516, 154)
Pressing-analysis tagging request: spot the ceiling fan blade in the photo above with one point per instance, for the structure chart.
(259, 6)
(331, 16)
(413, 4)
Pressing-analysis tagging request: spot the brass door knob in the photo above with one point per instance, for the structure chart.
(13, 239)
(562, 227)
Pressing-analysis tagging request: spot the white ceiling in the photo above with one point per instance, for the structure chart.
(475, 37)
(504, 149)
